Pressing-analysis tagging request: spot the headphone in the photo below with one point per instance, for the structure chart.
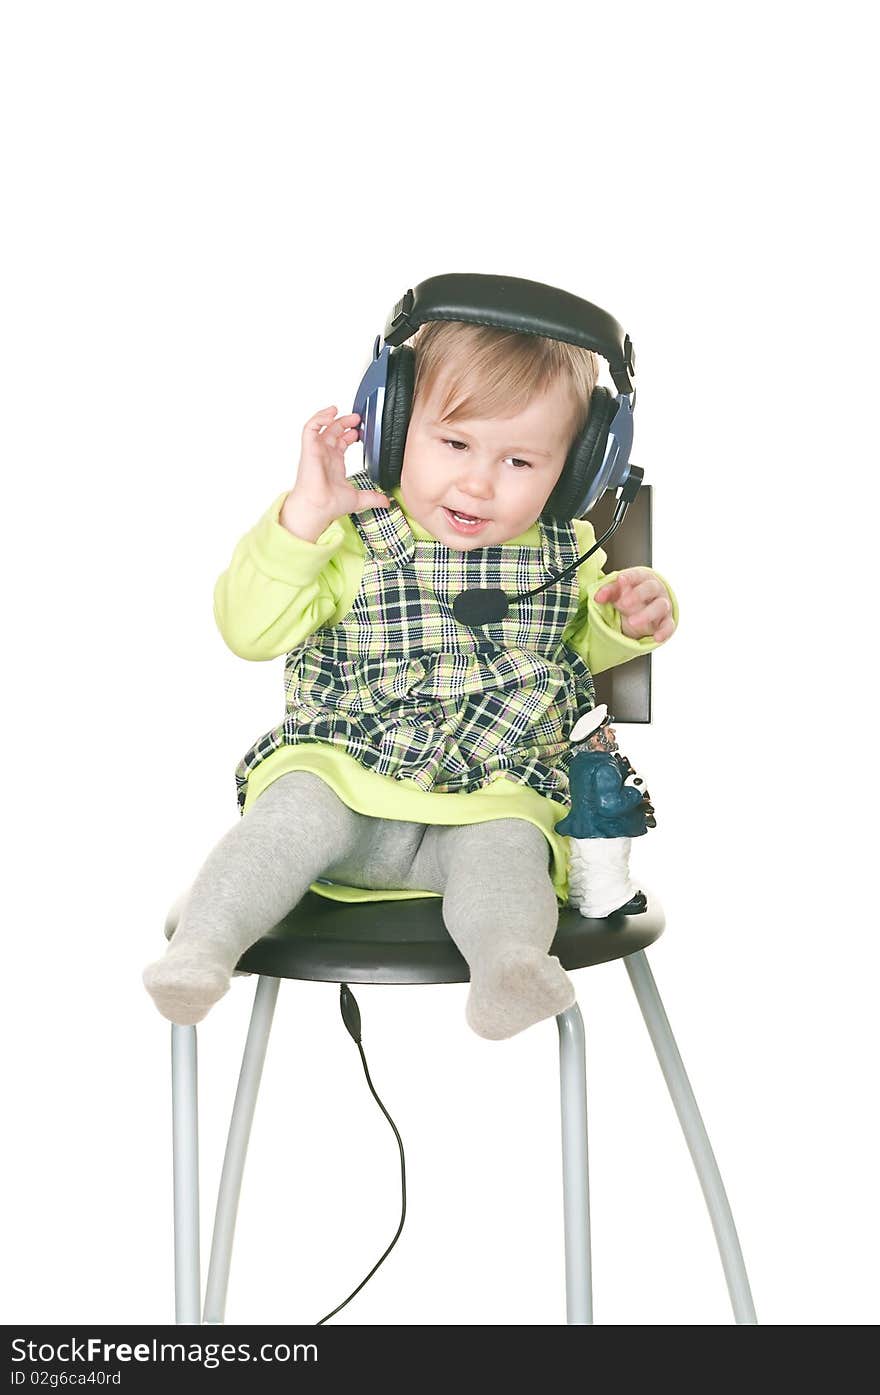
(598, 459)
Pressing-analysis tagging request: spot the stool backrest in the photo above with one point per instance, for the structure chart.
(626, 689)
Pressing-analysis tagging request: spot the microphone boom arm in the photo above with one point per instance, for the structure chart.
(486, 606)
(629, 492)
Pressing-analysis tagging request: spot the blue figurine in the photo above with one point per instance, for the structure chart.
(609, 807)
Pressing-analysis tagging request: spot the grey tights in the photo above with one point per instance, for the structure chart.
(499, 904)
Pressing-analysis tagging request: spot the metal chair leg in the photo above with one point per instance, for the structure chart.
(185, 1162)
(695, 1134)
(575, 1166)
(236, 1147)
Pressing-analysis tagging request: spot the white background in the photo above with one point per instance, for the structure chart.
(210, 209)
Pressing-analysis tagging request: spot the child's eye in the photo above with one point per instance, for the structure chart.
(516, 460)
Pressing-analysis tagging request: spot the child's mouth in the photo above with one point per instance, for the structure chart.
(464, 522)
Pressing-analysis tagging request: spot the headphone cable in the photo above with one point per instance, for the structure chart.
(352, 1018)
(628, 493)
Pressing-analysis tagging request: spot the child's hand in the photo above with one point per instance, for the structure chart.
(322, 493)
(643, 602)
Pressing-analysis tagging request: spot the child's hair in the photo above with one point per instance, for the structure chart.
(496, 372)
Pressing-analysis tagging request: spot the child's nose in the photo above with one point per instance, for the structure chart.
(475, 480)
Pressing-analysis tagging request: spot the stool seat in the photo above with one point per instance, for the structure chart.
(406, 941)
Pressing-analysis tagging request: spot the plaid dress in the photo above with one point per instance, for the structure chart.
(412, 694)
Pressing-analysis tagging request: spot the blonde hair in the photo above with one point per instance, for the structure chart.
(493, 372)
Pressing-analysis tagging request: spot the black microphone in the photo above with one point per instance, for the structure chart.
(481, 607)
(485, 605)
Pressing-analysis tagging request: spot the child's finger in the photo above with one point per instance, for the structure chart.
(649, 618)
(639, 594)
(342, 423)
(609, 592)
(315, 423)
(666, 629)
(336, 432)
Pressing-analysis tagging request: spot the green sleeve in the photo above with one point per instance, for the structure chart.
(595, 631)
(279, 589)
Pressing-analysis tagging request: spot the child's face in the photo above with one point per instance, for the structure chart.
(499, 471)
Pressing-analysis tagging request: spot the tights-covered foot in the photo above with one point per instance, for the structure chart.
(520, 987)
(185, 985)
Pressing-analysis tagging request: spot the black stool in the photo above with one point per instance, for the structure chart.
(405, 941)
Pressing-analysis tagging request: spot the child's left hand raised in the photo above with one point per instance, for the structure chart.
(643, 602)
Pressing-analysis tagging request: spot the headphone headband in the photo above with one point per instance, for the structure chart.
(511, 302)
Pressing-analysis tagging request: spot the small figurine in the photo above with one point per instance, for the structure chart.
(609, 807)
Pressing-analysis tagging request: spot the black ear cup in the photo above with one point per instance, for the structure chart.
(584, 459)
(396, 412)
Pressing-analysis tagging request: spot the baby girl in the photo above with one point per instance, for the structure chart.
(420, 756)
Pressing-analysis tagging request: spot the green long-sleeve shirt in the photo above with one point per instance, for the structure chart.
(279, 589)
